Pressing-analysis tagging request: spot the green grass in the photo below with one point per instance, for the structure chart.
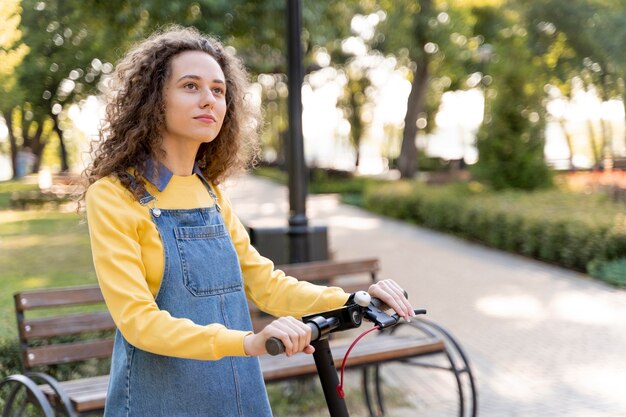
(305, 398)
(350, 187)
(271, 173)
(40, 249)
(8, 187)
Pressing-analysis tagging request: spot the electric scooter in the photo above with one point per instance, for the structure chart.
(322, 325)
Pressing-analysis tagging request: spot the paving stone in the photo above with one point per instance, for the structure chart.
(543, 341)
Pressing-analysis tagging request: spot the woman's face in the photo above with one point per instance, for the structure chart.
(195, 100)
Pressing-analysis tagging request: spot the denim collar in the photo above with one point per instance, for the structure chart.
(164, 175)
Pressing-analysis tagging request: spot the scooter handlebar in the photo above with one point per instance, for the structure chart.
(275, 346)
(321, 326)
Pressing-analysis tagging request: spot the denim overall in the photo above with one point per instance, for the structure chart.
(202, 281)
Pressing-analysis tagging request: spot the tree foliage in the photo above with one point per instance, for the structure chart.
(66, 46)
(511, 140)
(73, 43)
(583, 39)
(434, 39)
(12, 52)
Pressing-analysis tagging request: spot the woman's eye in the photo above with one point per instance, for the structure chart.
(190, 86)
(218, 90)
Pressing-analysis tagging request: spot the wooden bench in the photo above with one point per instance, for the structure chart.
(22, 200)
(61, 191)
(40, 346)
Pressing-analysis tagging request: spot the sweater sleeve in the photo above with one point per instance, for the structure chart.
(270, 289)
(115, 228)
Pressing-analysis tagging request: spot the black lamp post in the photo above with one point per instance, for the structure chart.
(296, 166)
(298, 242)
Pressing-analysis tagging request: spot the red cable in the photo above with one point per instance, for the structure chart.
(343, 364)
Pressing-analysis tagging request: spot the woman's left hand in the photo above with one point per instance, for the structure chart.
(389, 292)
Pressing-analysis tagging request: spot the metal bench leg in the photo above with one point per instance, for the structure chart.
(379, 391)
(368, 391)
(454, 354)
(464, 360)
(372, 386)
(32, 389)
(60, 393)
(457, 375)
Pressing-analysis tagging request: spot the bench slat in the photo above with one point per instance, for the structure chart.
(90, 393)
(27, 300)
(80, 386)
(322, 270)
(335, 272)
(66, 325)
(381, 349)
(89, 403)
(86, 394)
(67, 352)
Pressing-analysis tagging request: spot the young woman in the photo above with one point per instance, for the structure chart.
(174, 263)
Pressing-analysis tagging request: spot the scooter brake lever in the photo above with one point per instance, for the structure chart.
(382, 319)
(379, 317)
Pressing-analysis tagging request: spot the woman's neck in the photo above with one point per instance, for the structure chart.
(178, 160)
(179, 168)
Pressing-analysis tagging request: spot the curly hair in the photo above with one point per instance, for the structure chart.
(135, 113)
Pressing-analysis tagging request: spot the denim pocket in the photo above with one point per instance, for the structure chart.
(209, 262)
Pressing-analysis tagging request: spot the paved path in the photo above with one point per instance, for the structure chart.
(543, 341)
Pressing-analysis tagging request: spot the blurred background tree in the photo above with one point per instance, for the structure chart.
(524, 56)
(431, 39)
(579, 41)
(12, 52)
(511, 140)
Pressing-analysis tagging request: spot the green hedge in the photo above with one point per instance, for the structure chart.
(567, 229)
(613, 272)
(10, 362)
(325, 181)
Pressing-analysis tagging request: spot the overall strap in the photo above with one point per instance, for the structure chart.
(147, 197)
(211, 193)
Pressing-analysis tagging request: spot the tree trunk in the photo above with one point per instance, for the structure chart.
(593, 144)
(356, 128)
(25, 129)
(606, 152)
(8, 119)
(624, 103)
(407, 161)
(62, 150)
(606, 146)
(37, 146)
(570, 144)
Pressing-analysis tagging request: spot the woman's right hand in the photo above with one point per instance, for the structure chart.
(295, 335)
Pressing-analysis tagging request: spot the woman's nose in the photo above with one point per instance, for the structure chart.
(208, 99)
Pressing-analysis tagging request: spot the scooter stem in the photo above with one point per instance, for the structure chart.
(329, 378)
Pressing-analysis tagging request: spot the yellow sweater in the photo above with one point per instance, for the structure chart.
(129, 261)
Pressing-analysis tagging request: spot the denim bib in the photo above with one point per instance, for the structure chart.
(202, 282)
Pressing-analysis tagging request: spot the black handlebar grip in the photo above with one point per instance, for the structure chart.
(275, 346)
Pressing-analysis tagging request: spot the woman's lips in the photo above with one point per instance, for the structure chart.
(205, 118)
